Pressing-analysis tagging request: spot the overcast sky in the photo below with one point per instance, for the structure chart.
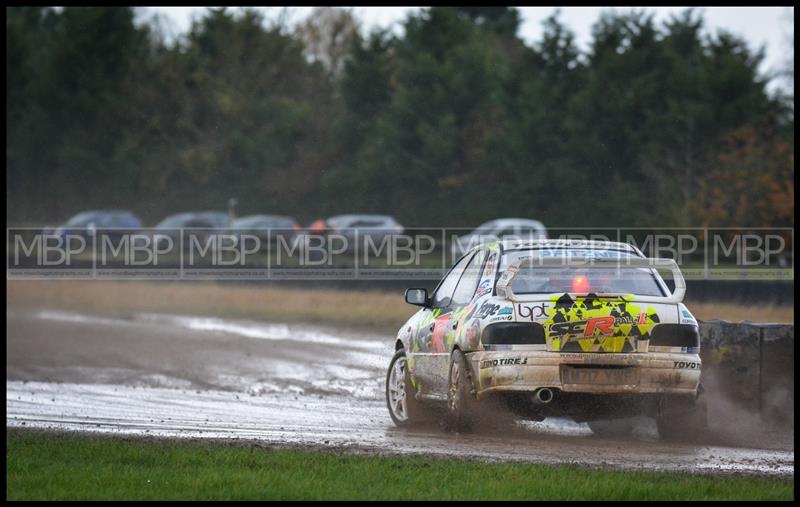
(772, 27)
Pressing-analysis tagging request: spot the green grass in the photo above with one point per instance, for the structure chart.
(75, 466)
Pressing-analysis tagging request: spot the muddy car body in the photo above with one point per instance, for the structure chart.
(588, 330)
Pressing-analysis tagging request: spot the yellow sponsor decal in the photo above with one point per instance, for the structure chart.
(597, 324)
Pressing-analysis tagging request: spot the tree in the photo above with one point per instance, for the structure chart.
(68, 125)
(750, 183)
(454, 122)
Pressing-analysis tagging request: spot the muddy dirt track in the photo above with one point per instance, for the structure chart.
(294, 385)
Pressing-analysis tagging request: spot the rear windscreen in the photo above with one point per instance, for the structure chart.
(556, 279)
(546, 280)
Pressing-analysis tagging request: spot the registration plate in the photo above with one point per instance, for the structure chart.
(600, 376)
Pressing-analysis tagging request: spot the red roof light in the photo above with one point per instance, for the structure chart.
(580, 284)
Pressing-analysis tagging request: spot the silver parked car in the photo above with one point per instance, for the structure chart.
(498, 229)
(361, 228)
(199, 224)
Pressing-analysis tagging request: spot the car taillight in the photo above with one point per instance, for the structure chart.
(675, 335)
(317, 227)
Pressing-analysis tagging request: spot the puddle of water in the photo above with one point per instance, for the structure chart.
(248, 329)
(259, 330)
(79, 318)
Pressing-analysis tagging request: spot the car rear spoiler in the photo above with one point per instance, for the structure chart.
(506, 278)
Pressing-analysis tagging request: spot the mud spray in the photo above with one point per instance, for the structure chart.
(768, 423)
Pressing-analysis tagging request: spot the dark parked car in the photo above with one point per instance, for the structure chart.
(88, 224)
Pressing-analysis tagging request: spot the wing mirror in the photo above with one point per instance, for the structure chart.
(418, 297)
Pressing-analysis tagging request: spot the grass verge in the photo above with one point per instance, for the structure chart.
(375, 310)
(81, 467)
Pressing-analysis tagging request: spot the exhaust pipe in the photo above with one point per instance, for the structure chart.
(543, 396)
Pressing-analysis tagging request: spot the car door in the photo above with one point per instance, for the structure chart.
(427, 345)
(459, 310)
(196, 231)
(445, 326)
(112, 227)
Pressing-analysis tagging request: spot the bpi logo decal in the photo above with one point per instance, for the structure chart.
(532, 312)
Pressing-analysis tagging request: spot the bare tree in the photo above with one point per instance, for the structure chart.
(328, 33)
(788, 70)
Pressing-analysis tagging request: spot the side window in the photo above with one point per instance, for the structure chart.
(469, 280)
(199, 223)
(104, 221)
(506, 231)
(444, 293)
(528, 231)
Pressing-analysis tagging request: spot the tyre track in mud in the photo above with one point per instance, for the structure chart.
(285, 385)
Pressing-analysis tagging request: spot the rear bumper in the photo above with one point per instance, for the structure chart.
(640, 373)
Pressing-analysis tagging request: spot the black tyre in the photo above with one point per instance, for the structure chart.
(683, 420)
(404, 408)
(461, 400)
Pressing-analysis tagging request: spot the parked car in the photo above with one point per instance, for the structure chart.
(498, 229)
(374, 227)
(598, 339)
(269, 229)
(199, 224)
(112, 223)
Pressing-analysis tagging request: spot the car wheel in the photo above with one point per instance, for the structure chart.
(460, 398)
(611, 427)
(404, 408)
(682, 420)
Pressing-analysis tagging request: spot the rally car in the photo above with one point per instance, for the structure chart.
(581, 329)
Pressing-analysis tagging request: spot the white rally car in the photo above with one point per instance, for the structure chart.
(581, 329)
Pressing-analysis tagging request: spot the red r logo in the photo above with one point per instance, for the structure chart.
(604, 324)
